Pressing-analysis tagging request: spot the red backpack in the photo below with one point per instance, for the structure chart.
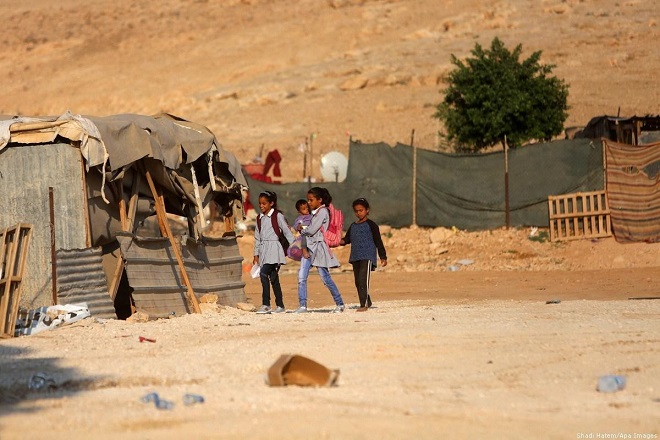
(276, 227)
(332, 236)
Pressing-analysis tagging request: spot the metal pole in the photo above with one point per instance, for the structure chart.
(305, 159)
(506, 184)
(311, 158)
(603, 144)
(414, 178)
(53, 256)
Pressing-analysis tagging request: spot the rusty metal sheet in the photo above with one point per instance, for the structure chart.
(80, 278)
(213, 266)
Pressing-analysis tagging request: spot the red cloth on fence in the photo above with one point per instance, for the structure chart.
(273, 159)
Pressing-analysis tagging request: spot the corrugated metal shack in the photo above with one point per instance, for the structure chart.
(634, 130)
(83, 181)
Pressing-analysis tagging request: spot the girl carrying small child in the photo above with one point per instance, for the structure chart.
(365, 240)
(320, 255)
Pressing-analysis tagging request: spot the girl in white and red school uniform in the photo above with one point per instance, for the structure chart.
(268, 251)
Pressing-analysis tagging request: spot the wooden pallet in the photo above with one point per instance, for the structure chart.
(14, 242)
(579, 215)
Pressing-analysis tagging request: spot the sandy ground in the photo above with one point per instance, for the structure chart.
(442, 355)
(508, 347)
(470, 354)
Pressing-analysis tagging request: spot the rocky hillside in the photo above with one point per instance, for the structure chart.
(265, 74)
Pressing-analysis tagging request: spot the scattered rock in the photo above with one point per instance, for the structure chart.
(439, 235)
(438, 249)
(207, 308)
(209, 298)
(246, 307)
(355, 83)
(138, 317)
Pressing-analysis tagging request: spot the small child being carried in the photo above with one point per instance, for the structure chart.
(304, 219)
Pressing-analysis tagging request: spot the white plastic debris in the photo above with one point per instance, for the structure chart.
(48, 318)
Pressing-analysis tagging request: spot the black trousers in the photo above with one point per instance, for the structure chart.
(270, 275)
(362, 274)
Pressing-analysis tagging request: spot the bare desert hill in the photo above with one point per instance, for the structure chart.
(270, 73)
(510, 344)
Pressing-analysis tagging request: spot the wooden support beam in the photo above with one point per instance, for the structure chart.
(166, 231)
(201, 221)
(128, 222)
(116, 277)
(88, 226)
(229, 226)
(122, 204)
(132, 204)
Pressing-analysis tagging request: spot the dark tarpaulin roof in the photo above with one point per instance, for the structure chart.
(120, 140)
(116, 148)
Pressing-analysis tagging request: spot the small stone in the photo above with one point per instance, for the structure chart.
(355, 83)
(246, 307)
(138, 317)
(209, 308)
(209, 298)
(439, 235)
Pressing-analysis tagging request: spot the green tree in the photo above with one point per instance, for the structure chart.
(494, 95)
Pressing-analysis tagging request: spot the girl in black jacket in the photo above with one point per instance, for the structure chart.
(365, 240)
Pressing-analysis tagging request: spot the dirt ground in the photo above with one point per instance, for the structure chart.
(472, 353)
(443, 354)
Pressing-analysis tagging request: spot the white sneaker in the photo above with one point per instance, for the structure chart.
(339, 309)
(264, 310)
(301, 310)
(279, 310)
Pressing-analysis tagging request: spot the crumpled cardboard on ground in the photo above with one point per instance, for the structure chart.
(293, 369)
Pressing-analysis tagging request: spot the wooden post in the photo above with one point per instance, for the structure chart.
(127, 226)
(53, 255)
(132, 203)
(116, 278)
(506, 185)
(88, 225)
(165, 230)
(201, 221)
(123, 217)
(304, 148)
(122, 204)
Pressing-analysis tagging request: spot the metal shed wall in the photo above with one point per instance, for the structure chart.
(80, 278)
(26, 173)
(213, 266)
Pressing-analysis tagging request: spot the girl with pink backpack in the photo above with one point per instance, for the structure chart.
(320, 255)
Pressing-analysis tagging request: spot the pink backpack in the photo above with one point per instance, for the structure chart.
(335, 228)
